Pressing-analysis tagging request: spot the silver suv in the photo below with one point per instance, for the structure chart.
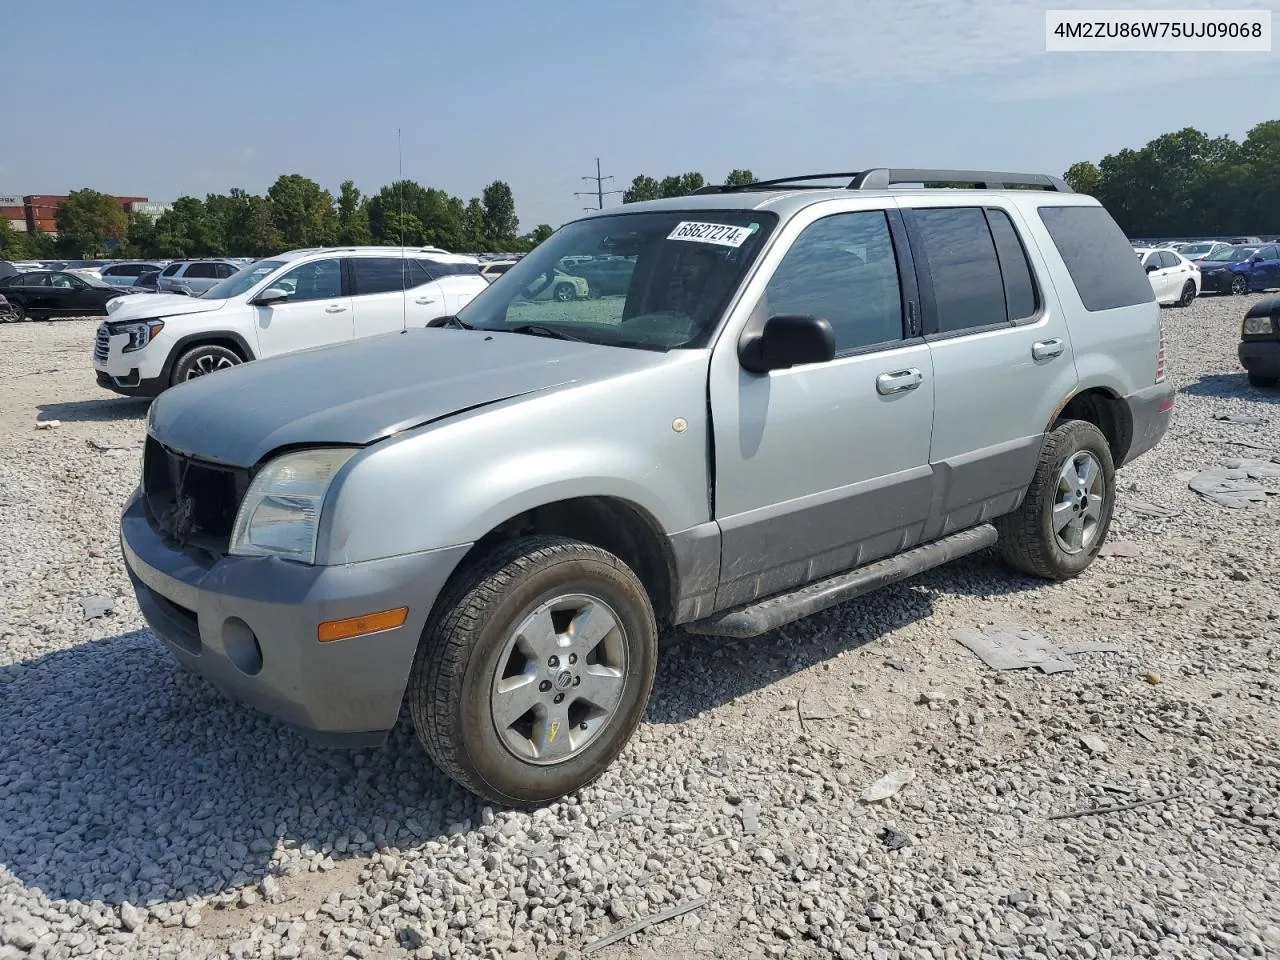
(805, 394)
(194, 277)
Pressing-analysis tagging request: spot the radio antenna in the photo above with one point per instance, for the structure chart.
(404, 262)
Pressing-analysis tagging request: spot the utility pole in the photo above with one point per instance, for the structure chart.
(600, 192)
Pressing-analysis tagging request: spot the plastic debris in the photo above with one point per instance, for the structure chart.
(1120, 548)
(1093, 743)
(1239, 418)
(1228, 487)
(1157, 511)
(48, 424)
(1009, 646)
(94, 606)
(888, 785)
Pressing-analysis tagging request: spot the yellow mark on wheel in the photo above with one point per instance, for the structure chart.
(555, 731)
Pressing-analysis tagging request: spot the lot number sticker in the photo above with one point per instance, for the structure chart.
(718, 233)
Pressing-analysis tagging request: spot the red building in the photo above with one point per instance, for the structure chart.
(11, 209)
(41, 210)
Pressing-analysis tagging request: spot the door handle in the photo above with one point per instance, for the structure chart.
(900, 381)
(334, 308)
(1047, 349)
(425, 300)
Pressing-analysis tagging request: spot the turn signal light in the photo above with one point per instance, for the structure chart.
(332, 630)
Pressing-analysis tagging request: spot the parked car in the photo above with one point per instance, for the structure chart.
(7, 269)
(7, 313)
(194, 277)
(1241, 269)
(1174, 279)
(607, 277)
(491, 270)
(300, 299)
(1260, 343)
(792, 406)
(555, 284)
(126, 274)
(147, 283)
(46, 293)
(1243, 240)
(1200, 249)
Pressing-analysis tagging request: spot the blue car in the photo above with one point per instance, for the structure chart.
(1240, 269)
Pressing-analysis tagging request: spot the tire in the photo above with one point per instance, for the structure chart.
(1258, 380)
(202, 360)
(19, 312)
(468, 647)
(1028, 539)
(565, 292)
(1239, 285)
(1188, 294)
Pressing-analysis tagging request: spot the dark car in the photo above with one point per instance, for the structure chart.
(7, 313)
(606, 278)
(147, 283)
(50, 293)
(7, 269)
(1260, 343)
(1240, 269)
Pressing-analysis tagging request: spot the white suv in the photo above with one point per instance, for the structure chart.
(299, 299)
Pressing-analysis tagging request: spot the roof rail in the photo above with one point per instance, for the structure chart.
(882, 178)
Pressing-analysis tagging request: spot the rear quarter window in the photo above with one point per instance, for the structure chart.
(1099, 258)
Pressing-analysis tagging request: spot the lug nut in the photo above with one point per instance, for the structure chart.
(559, 697)
(576, 681)
(544, 686)
(582, 726)
(573, 658)
(553, 662)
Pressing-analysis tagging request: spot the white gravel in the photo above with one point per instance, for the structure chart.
(143, 816)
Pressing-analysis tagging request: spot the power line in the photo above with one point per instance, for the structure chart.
(599, 192)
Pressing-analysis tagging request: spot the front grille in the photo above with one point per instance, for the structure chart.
(191, 501)
(102, 345)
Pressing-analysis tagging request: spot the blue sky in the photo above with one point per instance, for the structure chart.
(162, 99)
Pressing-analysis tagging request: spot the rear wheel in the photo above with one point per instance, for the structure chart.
(1188, 294)
(565, 292)
(200, 361)
(1239, 285)
(1063, 521)
(1258, 380)
(19, 312)
(535, 670)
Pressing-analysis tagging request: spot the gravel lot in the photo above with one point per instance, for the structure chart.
(143, 816)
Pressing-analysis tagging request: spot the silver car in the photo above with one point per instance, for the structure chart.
(804, 394)
(194, 277)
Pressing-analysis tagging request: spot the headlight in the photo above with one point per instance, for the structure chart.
(280, 515)
(140, 334)
(1256, 326)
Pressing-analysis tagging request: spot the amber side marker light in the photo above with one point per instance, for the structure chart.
(332, 630)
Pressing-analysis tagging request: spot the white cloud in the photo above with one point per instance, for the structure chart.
(813, 44)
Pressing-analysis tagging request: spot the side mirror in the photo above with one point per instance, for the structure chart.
(269, 296)
(788, 341)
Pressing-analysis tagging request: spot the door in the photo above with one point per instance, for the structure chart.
(824, 467)
(1176, 273)
(317, 312)
(36, 291)
(1267, 269)
(1001, 352)
(65, 293)
(1157, 275)
(425, 298)
(200, 276)
(377, 288)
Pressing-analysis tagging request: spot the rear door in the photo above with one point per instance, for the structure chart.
(317, 312)
(36, 291)
(377, 288)
(1001, 355)
(425, 297)
(1268, 267)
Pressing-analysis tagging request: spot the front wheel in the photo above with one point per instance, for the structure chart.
(18, 315)
(535, 669)
(565, 292)
(1064, 519)
(203, 360)
(1239, 285)
(1188, 294)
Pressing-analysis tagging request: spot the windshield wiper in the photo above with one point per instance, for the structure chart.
(538, 330)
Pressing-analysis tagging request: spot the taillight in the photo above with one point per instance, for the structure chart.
(1160, 357)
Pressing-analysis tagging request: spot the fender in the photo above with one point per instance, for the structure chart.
(204, 336)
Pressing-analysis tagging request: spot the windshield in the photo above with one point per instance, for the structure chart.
(92, 281)
(1193, 250)
(1231, 254)
(654, 281)
(242, 281)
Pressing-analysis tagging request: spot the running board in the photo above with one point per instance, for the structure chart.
(762, 616)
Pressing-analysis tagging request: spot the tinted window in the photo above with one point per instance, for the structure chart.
(1099, 259)
(441, 269)
(1270, 253)
(202, 271)
(171, 269)
(1019, 288)
(223, 270)
(967, 286)
(1168, 260)
(65, 281)
(319, 280)
(378, 274)
(35, 280)
(842, 268)
(418, 274)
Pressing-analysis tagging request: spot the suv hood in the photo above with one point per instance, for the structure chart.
(145, 306)
(356, 393)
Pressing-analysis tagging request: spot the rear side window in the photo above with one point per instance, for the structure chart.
(440, 269)
(1019, 288)
(967, 287)
(418, 274)
(1099, 259)
(171, 269)
(378, 274)
(1269, 253)
(202, 271)
(1168, 260)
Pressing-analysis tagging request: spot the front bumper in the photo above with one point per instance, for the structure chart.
(1260, 357)
(248, 625)
(1150, 412)
(1219, 282)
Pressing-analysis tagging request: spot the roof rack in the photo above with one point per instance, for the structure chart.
(882, 178)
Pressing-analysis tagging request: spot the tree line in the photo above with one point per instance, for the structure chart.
(295, 212)
(1186, 184)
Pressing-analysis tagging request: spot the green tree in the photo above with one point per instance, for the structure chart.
(739, 178)
(642, 188)
(13, 245)
(1083, 177)
(472, 238)
(40, 246)
(304, 213)
(403, 228)
(540, 233)
(681, 185)
(87, 220)
(353, 216)
(141, 238)
(500, 222)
